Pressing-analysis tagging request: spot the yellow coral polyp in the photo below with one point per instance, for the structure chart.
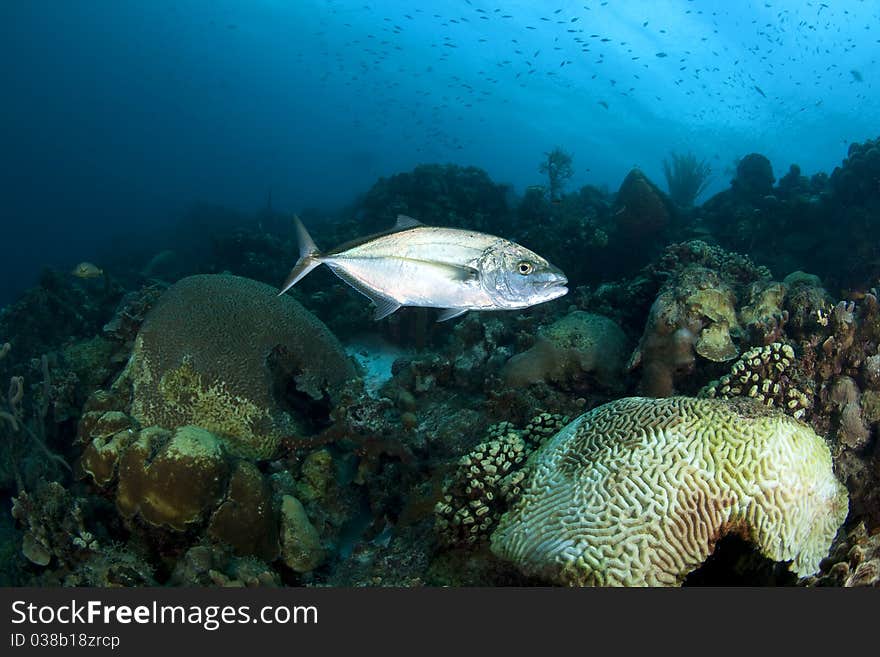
(213, 407)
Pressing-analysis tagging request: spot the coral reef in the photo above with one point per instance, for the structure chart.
(445, 195)
(226, 354)
(638, 491)
(240, 445)
(855, 181)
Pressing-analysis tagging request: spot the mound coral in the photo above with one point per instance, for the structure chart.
(855, 180)
(579, 345)
(712, 303)
(638, 491)
(227, 354)
(301, 547)
(246, 520)
(642, 211)
(754, 176)
(172, 480)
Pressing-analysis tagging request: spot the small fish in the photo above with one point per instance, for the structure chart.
(87, 270)
(431, 267)
(758, 89)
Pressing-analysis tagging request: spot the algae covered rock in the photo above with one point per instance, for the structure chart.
(228, 354)
(638, 491)
(301, 548)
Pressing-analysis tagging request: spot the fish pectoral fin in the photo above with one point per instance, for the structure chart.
(384, 307)
(451, 313)
(461, 273)
(403, 222)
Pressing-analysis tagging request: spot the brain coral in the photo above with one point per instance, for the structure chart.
(227, 354)
(637, 492)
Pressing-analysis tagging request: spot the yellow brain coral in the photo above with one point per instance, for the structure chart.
(637, 492)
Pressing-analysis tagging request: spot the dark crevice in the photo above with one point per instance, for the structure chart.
(312, 414)
(736, 562)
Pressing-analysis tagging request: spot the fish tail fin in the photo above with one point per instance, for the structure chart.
(309, 257)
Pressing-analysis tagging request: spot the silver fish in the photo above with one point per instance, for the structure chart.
(448, 268)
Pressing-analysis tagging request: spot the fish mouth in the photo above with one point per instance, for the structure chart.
(556, 288)
(559, 282)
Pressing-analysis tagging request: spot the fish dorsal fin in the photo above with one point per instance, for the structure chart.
(450, 313)
(403, 222)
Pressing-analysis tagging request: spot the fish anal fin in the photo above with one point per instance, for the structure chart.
(450, 313)
(403, 222)
(384, 305)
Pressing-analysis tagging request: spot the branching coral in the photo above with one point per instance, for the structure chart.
(769, 375)
(686, 177)
(488, 480)
(557, 167)
(33, 430)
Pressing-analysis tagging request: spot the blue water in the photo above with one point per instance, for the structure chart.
(118, 115)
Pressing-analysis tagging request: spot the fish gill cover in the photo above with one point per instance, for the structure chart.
(706, 175)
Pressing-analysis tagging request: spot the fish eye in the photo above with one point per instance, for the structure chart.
(525, 267)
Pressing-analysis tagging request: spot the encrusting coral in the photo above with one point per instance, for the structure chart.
(638, 491)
